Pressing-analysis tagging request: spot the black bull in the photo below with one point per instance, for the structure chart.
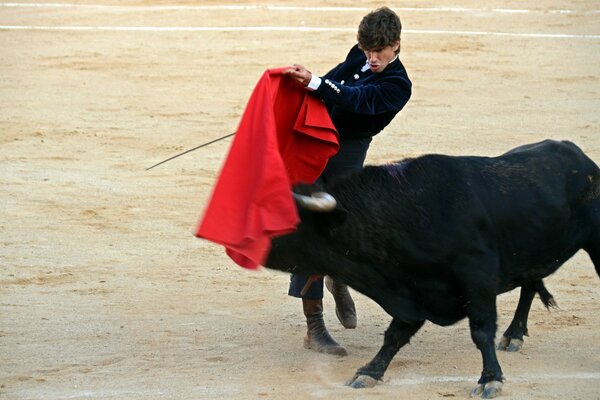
(437, 238)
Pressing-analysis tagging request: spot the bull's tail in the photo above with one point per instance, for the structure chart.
(545, 295)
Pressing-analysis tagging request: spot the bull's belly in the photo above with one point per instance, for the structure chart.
(442, 303)
(516, 273)
(446, 312)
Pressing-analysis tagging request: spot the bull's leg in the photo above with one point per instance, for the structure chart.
(397, 335)
(512, 340)
(482, 321)
(595, 256)
(593, 247)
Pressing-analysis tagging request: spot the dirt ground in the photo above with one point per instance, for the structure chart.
(106, 294)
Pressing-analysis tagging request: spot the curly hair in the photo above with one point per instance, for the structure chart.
(378, 29)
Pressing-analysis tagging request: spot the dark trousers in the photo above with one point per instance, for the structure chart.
(349, 158)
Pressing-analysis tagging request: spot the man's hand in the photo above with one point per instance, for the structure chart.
(299, 74)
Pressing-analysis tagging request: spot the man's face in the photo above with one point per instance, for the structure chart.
(380, 58)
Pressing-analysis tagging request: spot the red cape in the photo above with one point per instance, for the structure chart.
(285, 137)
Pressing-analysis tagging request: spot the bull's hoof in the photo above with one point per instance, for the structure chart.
(362, 382)
(510, 345)
(487, 391)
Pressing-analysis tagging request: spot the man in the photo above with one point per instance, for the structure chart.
(362, 95)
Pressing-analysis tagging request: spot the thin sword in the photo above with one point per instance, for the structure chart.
(190, 150)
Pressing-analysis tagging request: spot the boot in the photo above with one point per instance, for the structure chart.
(317, 338)
(344, 305)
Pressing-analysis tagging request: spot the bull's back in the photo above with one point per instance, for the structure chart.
(541, 183)
(537, 182)
(536, 198)
(532, 205)
(528, 205)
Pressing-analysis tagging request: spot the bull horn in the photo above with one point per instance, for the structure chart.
(320, 201)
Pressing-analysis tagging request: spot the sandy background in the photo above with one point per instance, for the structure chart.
(105, 293)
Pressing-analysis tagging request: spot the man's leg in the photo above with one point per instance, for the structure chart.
(317, 338)
(350, 158)
(344, 305)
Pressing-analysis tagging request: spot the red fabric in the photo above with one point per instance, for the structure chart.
(285, 137)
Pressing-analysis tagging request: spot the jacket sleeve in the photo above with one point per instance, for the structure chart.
(387, 94)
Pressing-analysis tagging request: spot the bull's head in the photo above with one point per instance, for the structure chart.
(298, 251)
(318, 208)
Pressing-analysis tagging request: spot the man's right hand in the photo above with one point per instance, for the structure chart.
(299, 74)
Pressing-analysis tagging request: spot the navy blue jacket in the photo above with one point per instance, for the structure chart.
(362, 103)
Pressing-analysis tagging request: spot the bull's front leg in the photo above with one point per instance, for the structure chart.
(397, 335)
(482, 322)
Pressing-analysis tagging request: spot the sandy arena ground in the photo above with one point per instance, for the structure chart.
(106, 294)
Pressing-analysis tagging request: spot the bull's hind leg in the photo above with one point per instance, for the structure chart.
(397, 335)
(512, 340)
(592, 219)
(595, 256)
(592, 247)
